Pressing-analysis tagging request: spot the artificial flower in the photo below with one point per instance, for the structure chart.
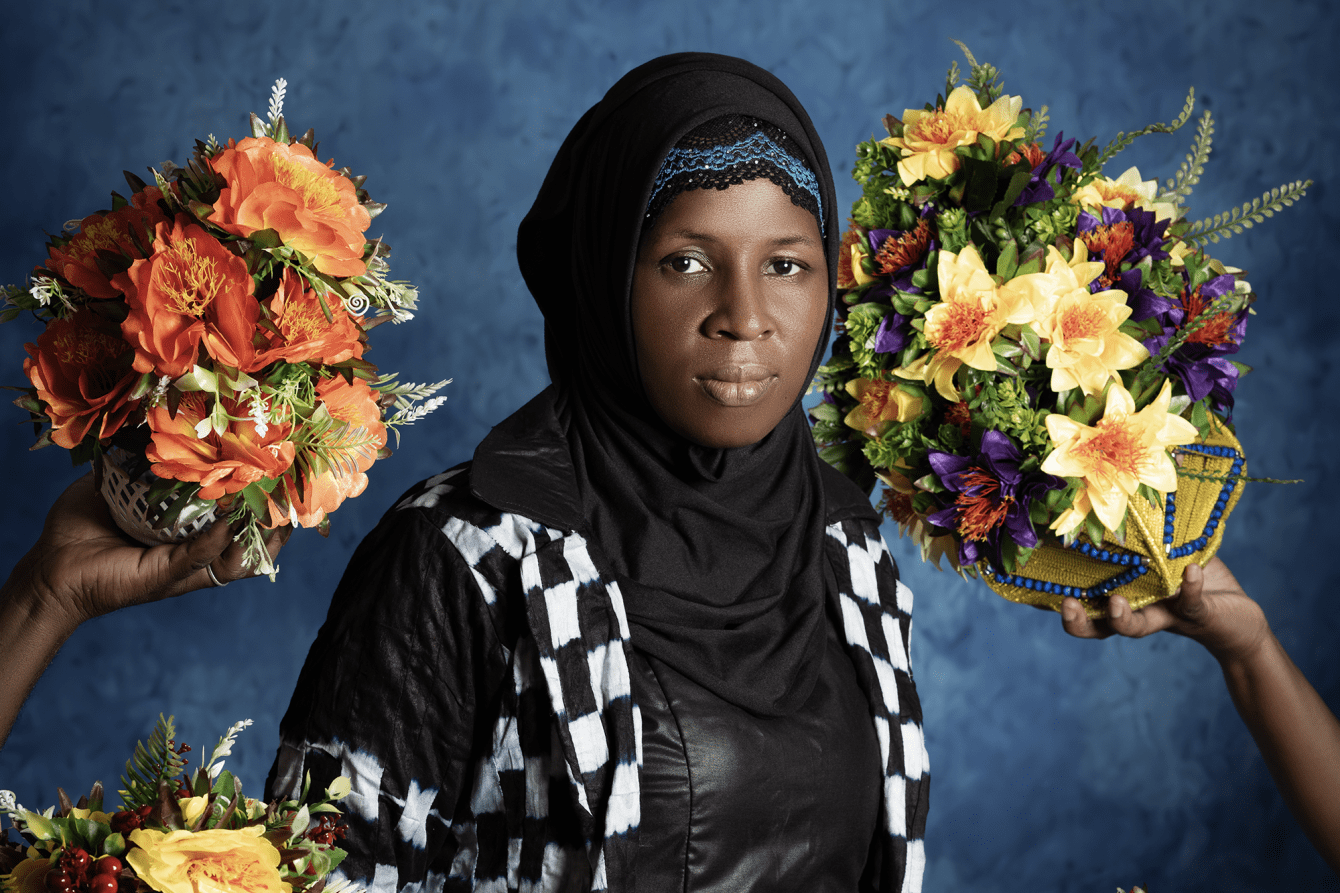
(81, 368)
(351, 451)
(990, 495)
(881, 403)
(1039, 188)
(211, 861)
(850, 272)
(1125, 192)
(283, 187)
(960, 328)
(28, 876)
(303, 331)
(190, 291)
(221, 463)
(1201, 362)
(126, 232)
(1113, 457)
(1087, 347)
(930, 137)
(898, 506)
(897, 251)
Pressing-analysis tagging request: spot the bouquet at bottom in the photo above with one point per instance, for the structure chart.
(205, 341)
(175, 832)
(1036, 359)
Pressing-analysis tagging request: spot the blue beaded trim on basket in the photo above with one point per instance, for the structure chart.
(1135, 568)
(755, 147)
(1135, 564)
(1212, 523)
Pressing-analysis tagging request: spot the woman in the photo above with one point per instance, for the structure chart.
(645, 639)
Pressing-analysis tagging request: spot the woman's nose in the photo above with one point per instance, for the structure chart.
(741, 311)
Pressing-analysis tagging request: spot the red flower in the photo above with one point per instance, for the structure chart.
(77, 261)
(81, 369)
(352, 450)
(221, 463)
(190, 291)
(284, 187)
(305, 335)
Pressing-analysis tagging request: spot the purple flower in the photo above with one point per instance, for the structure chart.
(1039, 188)
(1201, 362)
(992, 495)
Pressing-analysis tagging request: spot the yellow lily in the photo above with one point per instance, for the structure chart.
(930, 138)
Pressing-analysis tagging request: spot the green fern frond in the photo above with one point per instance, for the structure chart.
(952, 78)
(983, 78)
(1188, 175)
(1125, 139)
(153, 762)
(1037, 126)
(1221, 226)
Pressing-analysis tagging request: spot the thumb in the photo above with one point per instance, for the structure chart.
(1191, 600)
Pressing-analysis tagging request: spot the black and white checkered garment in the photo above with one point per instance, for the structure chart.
(472, 681)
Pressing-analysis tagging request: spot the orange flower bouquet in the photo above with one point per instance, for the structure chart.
(177, 831)
(205, 341)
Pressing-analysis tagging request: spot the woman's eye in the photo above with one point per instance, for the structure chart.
(785, 267)
(685, 264)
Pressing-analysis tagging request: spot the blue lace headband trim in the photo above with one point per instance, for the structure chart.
(753, 148)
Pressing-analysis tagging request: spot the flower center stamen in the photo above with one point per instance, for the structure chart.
(902, 251)
(981, 506)
(318, 193)
(1114, 242)
(189, 282)
(960, 326)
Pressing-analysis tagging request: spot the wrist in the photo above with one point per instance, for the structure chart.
(28, 598)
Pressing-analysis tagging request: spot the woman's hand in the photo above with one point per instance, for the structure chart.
(1209, 607)
(82, 566)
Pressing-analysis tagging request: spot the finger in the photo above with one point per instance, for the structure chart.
(1076, 622)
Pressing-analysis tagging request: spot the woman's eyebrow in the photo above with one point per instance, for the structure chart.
(694, 236)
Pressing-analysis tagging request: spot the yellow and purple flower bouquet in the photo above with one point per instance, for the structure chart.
(176, 831)
(205, 340)
(1035, 358)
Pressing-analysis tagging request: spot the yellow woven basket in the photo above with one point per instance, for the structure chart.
(1160, 542)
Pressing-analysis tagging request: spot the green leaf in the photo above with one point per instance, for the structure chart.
(256, 501)
(114, 844)
(979, 184)
(1093, 528)
(1008, 261)
(826, 412)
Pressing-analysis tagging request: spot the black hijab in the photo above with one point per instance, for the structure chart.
(718, 553)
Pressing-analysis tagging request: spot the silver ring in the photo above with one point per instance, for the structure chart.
(213, 579)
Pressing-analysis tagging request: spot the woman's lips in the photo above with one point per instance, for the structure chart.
(737, 385)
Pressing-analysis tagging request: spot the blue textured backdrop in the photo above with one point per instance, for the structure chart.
(1058, 764)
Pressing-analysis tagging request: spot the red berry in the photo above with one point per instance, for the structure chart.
(78, 860)
(102, 883)
(59, 881)
(107, 865)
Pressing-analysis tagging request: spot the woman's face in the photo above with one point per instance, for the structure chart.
(730, 293)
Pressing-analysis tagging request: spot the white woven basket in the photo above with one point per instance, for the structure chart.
(127, 500)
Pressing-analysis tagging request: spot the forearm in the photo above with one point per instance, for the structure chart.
(30, 636)
(1297, 734)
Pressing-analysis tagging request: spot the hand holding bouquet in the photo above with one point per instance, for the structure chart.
(1035, 354)
(205, 338)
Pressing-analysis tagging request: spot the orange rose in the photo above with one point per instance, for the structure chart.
(77, 261)
(81, 369)
(285, 188)
(224, 463)
(190, 291)
(304, 332)
(353, 449)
